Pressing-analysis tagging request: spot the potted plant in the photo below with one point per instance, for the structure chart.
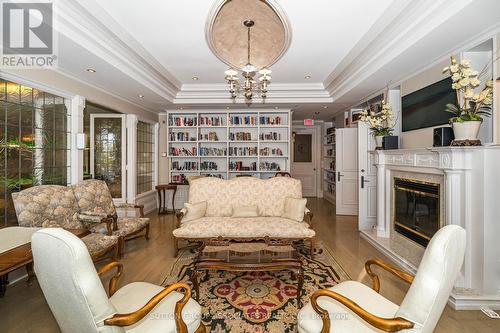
(471, 106)
(381, 124)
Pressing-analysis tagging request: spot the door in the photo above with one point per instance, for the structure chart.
(108, 152)
(304, 160)
(347, 171)
(367, 190)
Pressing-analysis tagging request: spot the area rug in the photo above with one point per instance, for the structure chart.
(257, 302)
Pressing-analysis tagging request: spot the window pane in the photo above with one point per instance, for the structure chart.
(145, 157)
(302, 148)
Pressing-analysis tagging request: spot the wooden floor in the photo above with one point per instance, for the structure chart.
(23, 309)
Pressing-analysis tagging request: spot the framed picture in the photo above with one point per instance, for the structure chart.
(355, 116)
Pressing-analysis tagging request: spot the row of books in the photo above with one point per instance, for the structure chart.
(211, 136)
(181, 136)
(240, 136)
(270, 136)
(330, 152)
(179, 166)
(182, 121)
(269, 166)
(243, 151)
(182, 151)
(212, 121)
(210, 166)
(215, 175)
(245, 120)
(270, 120)
(180, 179)
(213, 151)
(330, 130)
(271, 152)
(238, 166)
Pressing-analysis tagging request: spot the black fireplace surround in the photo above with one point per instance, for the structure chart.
(416, 209)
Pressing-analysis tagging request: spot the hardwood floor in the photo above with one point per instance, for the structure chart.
(23, 309)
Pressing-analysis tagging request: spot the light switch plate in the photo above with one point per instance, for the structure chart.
(80, 140)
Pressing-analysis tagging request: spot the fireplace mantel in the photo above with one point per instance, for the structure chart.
(471, 179)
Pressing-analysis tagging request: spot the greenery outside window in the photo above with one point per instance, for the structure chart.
(145, 157)
(34, 142)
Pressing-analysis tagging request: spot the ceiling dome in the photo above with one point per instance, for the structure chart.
(227, 35)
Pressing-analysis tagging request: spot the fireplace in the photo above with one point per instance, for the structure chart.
(416, 209)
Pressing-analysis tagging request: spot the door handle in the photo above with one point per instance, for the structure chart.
(363, 181)
(339, 175)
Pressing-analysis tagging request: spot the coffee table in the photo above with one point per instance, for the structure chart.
(248, 256)
(18, 252)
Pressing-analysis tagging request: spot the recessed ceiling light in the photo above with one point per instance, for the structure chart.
(91, 70)
(325, 107)
(227, 107)
(276, 107)
(307, 77)
(141, 96)
(195, 78)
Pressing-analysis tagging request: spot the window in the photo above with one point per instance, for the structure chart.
(34, 143)
(145, 157)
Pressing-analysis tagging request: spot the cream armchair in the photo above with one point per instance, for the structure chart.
(352, 307)
(79, 302)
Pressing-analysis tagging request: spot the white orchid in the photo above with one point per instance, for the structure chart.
(380, 123)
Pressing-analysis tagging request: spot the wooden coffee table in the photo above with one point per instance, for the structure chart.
(21, 255)
(248, 256)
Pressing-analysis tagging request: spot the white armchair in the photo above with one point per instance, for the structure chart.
(352, 307)
(79, 302)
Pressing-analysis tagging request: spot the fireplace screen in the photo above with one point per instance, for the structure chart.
(416, 209)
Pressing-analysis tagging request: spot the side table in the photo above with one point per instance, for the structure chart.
(162, 198)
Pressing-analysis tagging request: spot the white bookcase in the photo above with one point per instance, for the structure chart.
(227, 143)
(329, 164)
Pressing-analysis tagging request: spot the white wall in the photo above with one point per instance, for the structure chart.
(162, 148)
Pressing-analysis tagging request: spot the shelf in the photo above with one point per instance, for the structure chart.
(213, 156)
(243, 126)
(273, 126)
(184, 171)
(213, 141)
(206, 126)
(247, 156)
(186, 156)
(234, 171)
(267, 156)
(182, 126)
(273, 141)
(328, 156)
(243, 141)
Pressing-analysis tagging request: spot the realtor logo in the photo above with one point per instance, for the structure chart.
(27, 34)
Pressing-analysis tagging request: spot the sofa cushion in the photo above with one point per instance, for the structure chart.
(294, 209)
(267, 194)
(245, 211)
(194, 210)
(244, 227)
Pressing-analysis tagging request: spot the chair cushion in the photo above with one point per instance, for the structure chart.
(126, 226)
(267, 194)
(244, 227)
(161, 319)
(342, 319)
(96, 242)
(93, 197)
(294, 208)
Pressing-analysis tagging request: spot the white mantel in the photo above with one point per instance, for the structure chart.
(470, 198)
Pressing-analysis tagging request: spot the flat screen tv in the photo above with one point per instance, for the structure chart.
(426, 107)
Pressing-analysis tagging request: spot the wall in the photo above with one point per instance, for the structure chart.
(162, 148)
(422, 137)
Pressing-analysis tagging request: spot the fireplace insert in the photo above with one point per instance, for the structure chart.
(416, 209)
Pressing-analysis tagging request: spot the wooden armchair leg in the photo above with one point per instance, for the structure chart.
(121, 245)
(147, 232)
(176, 247)
(312, 248)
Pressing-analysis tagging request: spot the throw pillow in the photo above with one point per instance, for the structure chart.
(194, 211)
(294, 208)
(245, 211)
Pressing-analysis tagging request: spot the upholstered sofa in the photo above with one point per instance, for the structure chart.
(222, 196)
(47, 206)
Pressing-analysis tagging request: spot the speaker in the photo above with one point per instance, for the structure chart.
(390, 142)
(443, 136)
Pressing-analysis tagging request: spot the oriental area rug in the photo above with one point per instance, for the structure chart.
(257, 302)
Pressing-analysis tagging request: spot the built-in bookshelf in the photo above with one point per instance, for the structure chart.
(329, 165)
(228, 143)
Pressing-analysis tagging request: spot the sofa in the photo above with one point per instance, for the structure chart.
(222, 196)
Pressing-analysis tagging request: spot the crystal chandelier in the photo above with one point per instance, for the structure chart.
(249, 85)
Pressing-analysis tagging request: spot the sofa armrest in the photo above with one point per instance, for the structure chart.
(97, 218)
(131, 206)
(308, 216)
(179, 215)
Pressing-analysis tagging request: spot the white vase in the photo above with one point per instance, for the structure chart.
(468, 130)
(378, 140)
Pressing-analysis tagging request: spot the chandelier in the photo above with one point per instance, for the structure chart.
(249, 86)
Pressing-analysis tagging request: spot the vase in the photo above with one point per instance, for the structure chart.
(468, 130)
(378, 140)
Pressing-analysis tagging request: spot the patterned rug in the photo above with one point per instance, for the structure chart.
(257, 302)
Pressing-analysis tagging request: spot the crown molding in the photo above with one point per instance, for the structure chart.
(123, 52)
(278, 93)
(405, 24)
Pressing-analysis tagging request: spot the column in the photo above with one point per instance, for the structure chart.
(75, 106)
(382, 229)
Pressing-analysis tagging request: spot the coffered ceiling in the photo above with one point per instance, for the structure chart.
(340, 51)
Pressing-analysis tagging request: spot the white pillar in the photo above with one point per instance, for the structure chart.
(131, 157)
(382, 229)
(75, 106)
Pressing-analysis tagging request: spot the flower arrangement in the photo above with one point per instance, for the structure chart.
(381, 124)
(470, 106)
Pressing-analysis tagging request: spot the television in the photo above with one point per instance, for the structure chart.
(426, 107)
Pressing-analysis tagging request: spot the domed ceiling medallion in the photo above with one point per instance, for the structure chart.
(249, 36)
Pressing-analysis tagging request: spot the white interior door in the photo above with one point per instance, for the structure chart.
(367, 210)
(108, 157)
(304, 160)
(347, 171)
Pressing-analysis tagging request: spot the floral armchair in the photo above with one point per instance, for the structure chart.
(49, 206)
(95, 203)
